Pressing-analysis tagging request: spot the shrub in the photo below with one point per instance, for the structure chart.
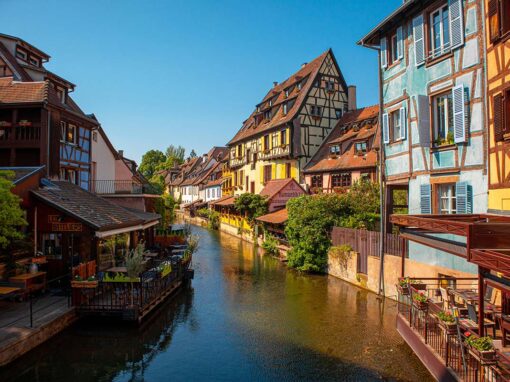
(251, 206)
(342, 253)
(270, 245)
(214, 220)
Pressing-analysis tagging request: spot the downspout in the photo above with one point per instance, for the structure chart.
(48, 127)
(380, 169)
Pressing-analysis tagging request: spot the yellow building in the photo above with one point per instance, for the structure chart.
(288, 125)
(498, 87)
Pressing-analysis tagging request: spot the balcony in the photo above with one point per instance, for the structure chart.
(122, 187)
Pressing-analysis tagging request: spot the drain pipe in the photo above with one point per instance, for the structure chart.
(380, 168)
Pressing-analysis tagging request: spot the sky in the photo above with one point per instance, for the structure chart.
(189, 73)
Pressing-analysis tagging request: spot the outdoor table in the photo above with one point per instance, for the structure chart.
(117, 269)
(8, 290)
(469, 296)
(30, 281)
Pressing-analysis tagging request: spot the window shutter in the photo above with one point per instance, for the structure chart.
(403, 123)
(424, 120)
(459, 120)
(273, 171)
(463, 197)
(287, 136)
(400, 43)
(494, 20)
(386, 128)
(498, 118)
(261, 174)
(456, 23)
(425, 199)
(262, 144)
(384, 52)
(419, 41)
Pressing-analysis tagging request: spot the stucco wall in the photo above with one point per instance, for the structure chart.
(104, 159)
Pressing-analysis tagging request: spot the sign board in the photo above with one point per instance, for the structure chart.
(66, 227)
(292, 190)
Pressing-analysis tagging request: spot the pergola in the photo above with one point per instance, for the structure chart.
(481, 239)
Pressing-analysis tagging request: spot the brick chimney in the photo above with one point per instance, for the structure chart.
(351, 98)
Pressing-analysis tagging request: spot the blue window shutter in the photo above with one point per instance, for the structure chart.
(384, 52)
(403, 123)
(385, 128)
(425, 199)
(464, 197)
(459, 118)
(456, 23)
(400, 43)
(419, 40)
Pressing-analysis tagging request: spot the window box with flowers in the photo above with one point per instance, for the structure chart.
(405, 282)
(447, 322)
(482, 348)
(420, 301)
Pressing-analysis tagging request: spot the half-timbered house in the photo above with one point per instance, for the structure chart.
(289, 124)
(431, 56)
(348, 154)
(498, 103)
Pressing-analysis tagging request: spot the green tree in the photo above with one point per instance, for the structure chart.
(151, 161)
(364, 206)
(175, 154)
(311, 219)
(11, 214)
(251, 206)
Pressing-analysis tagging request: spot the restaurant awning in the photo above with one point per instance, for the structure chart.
(102, 216)
(277, 217)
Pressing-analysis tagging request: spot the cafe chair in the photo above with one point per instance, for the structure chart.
(471, 323)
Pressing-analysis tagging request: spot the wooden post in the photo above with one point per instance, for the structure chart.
(481, 307)
(403, 253)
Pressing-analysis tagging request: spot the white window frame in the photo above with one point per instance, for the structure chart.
(443, 48)
(396, 137)
(436, 117)
(450, 197)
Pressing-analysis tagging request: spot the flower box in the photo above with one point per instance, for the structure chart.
(449, 327)
(484, 356)
(403, 290)
(84, 284)
(421, 305)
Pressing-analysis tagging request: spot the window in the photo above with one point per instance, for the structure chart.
(330, 86)
(266, 142)
(317, 181)
(71, 134)
(439, 32)
(286, 93)
(34, 61)
(393, 48)
(396, 125)
(267, 115)
(288, 169)
(270, 102)
(499, 18)
(316, 111)
(239, 150)
(275, 140)
(501, 115)
(299, 86)
(283, 137)
(334, 150)
(446, 199)
(341, 180)
(338, 113)
(94, 136)
(361, 147)
(20, 53)
(284, 108)
(61, 94)
(267, 173)
(442, 110)
(70, 175)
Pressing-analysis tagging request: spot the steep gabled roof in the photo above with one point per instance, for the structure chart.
(356, 125)
(277, 94)
(273, 187)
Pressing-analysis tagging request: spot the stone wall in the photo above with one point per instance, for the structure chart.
(345, 269)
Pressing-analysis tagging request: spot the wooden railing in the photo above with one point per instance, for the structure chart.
(366, 242)
(109, 187)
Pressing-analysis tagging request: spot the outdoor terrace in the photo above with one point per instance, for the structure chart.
(122, 187)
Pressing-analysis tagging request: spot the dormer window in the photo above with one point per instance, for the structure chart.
(334, 150)
(258, 109)
(299, 85)
(270, 102)
(267, 115)
(61, 93)
(22, 54)
(285, 108)
(361, 148)
(338, 113)
(286, 93)
(34, 61)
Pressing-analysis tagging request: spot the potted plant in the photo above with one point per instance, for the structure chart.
(420, 301)
(481, 348)
(405, 282)
(447, 321)
(79, 282)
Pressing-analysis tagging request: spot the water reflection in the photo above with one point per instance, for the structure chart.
(246, 317)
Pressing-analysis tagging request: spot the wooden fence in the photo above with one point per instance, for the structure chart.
(366, 243)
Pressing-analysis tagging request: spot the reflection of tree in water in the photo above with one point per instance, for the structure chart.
(102, 353)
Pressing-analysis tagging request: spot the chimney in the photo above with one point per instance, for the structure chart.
(351, 98)
(275, 83)
(304, 64)
(121, 153)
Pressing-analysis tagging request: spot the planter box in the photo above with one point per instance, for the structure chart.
(84, 284)
(419, 286)
(403, 290)
(449, 327)
(421, 305)
(485, 357)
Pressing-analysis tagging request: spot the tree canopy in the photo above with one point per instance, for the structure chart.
(251, 206)
(311, 219)
(11, 214)
(151, 161)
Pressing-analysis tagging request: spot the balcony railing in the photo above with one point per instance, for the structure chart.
(121, 187)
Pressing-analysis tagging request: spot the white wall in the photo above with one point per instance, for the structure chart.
(104, 159)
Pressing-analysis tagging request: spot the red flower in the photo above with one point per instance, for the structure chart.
(467, 334)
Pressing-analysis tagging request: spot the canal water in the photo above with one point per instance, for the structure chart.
(245, 317)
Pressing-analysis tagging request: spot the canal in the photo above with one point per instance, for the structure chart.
(245, 317)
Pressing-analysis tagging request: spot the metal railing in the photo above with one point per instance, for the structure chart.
(449, 345)
(119, 187)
